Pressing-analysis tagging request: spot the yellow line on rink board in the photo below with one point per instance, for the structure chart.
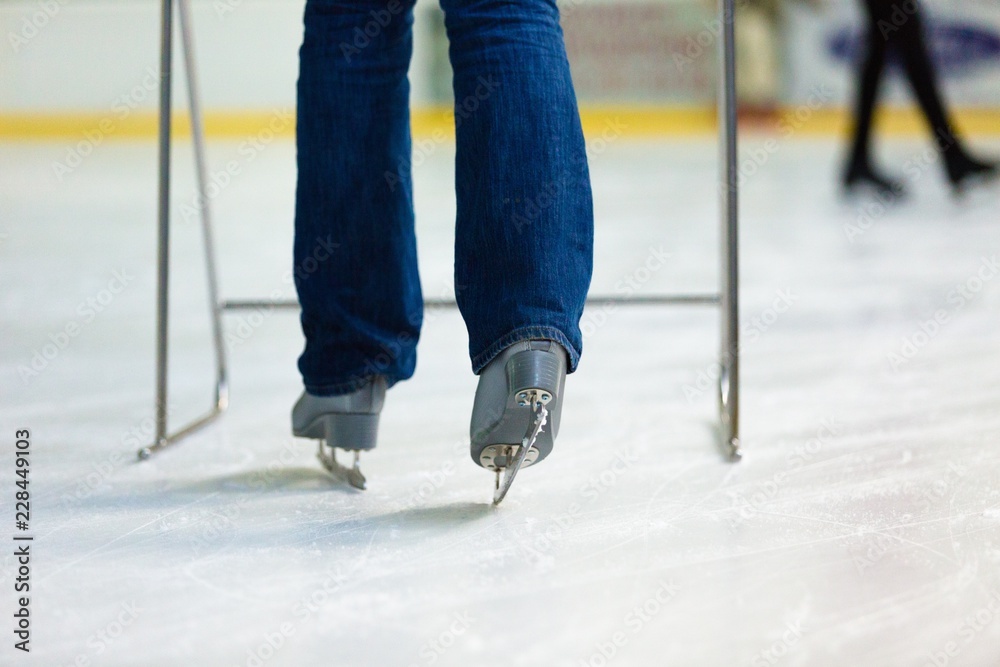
(438, 122)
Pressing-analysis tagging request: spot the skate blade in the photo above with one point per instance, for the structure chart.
(505, 475)
(524, 452)
(350, 475)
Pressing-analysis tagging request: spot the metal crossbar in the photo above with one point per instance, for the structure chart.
(726, 299)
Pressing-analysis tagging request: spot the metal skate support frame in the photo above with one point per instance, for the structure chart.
(726, 298)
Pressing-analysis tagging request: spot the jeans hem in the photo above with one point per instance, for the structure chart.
(480, 360)
(347, 387)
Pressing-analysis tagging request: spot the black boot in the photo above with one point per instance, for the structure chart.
(965, 171)
(860, 174)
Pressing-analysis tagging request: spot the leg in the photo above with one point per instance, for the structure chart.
(355, 251)
(859, 166)
(922, 78)
(524, 233)
(869, 76)
(920, 74)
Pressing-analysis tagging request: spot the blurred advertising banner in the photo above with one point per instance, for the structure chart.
(822, 47)
(642, 51)
(620, 51)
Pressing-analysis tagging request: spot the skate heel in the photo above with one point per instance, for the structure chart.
(345, 421)
(353, 432)
(357, 432)
(533, 376)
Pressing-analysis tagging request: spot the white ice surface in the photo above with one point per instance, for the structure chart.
(862, 528)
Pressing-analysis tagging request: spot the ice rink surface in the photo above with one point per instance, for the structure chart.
(862, 527)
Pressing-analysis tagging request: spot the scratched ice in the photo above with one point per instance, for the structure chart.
(863, 527)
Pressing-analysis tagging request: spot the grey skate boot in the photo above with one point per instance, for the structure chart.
(519, 392)
(348, 421)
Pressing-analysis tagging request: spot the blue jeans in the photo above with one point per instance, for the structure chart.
(524, 230)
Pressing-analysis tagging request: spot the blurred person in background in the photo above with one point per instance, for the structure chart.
(524, 229)
(898, 24)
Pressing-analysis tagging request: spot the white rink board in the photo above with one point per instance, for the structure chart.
(863, 526)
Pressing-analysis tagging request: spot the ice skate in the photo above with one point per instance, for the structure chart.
(861, 177)
(348, 421)
(515, 417)
(966, 172)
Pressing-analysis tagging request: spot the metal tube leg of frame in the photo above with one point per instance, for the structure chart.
(163, 230)
(163, 438)
(198, 136)
(729, 380)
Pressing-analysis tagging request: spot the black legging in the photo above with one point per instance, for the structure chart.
(898, 22)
